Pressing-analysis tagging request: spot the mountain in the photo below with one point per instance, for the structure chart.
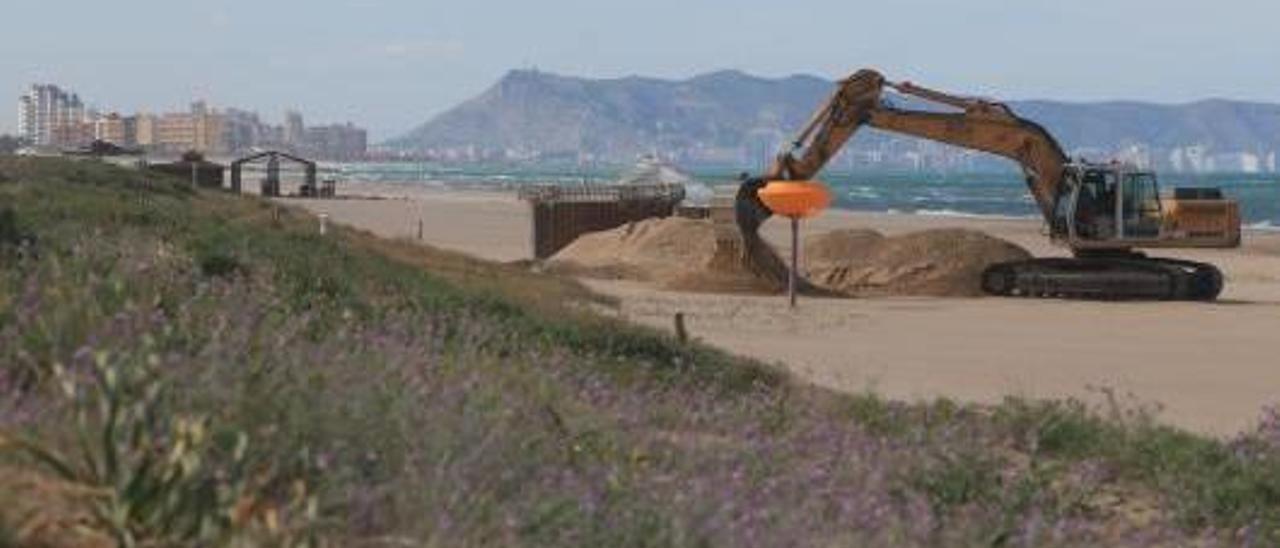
(547, 113)
(733, 117)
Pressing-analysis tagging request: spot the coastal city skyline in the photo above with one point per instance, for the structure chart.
(52, 117)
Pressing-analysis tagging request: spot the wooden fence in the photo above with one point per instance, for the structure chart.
(561, 213)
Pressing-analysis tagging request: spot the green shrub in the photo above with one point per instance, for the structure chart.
(156, 477)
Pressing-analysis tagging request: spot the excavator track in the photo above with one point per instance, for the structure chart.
(1127, 277)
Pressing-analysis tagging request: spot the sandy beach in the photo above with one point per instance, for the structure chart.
(1211, 367)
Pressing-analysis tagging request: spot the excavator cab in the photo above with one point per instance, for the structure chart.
(1105, 203)
(1118, 207)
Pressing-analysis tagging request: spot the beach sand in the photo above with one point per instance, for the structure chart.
(1211, 367)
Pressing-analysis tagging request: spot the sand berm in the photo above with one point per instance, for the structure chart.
(697, 255)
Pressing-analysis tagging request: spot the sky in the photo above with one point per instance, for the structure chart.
(390, 65)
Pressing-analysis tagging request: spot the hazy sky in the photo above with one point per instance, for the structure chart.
(391, 64)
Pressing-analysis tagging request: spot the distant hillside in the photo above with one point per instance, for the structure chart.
(1217, 124)
(734, 117)
(548, 114)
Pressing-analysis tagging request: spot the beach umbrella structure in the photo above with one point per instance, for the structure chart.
(795, 200)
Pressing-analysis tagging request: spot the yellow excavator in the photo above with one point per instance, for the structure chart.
(1104, 213)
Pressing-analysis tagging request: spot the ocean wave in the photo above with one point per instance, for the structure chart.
(957, 213)
(862, 193)
(970, 214)
(960, 199)
(1263, 225)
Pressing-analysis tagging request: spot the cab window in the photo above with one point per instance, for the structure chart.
(1096, 205)
(1141, 206)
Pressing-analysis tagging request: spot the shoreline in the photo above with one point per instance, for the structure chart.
(410, 189)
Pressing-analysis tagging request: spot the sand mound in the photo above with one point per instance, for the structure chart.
(839, 247)
(672, 253)
(696, 255)
(940, 262)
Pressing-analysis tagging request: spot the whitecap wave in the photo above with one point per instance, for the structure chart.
(970, 215)
(1263, 225)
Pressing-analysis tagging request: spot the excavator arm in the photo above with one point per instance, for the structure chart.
(979, 125)
(973, 123)
(992, 128)
(830, 127)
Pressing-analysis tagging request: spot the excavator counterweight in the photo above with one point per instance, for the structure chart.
(1102, 212)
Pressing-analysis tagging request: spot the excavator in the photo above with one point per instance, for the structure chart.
(1103, 212)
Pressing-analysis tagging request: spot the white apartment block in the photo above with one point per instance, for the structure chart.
(44, 109)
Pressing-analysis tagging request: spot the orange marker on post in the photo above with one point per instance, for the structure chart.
(795, 200)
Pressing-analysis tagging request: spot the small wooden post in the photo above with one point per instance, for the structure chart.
(419, 230)
(681, 333)
(324, 223)
(793, 275)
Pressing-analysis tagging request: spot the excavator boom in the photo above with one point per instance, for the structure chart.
(980, 125)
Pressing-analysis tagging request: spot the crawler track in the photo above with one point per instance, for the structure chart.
(1122, 277)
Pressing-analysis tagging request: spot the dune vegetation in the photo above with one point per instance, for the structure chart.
(187, 367)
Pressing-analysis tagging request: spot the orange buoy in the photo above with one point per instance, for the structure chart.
(795, 199)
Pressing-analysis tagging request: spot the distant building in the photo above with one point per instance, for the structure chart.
(241, 131)
(71, 134)
(1191, 159)
(339, 142)
(50, 116)
(26, 119)
(1137, 155)
(47, 114)
(1235, 162)
(294, 130)
(200, 130)
(116, 129)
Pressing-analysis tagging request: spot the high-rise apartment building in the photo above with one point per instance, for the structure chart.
(294, 130)
(341, 142)
(47, 114)
(201, 130)
(26, 118)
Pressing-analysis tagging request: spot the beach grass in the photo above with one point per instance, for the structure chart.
(183, 366)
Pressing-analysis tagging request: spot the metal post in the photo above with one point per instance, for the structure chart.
(419, 229)
(795, 260)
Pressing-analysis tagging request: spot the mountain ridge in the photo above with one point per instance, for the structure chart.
(730, 115)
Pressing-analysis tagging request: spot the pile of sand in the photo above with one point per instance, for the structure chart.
(671, 253)
(939, 262)
(697, 255)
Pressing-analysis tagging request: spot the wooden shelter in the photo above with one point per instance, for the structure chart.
(271, 183)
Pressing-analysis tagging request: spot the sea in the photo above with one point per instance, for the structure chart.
(907, 193)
